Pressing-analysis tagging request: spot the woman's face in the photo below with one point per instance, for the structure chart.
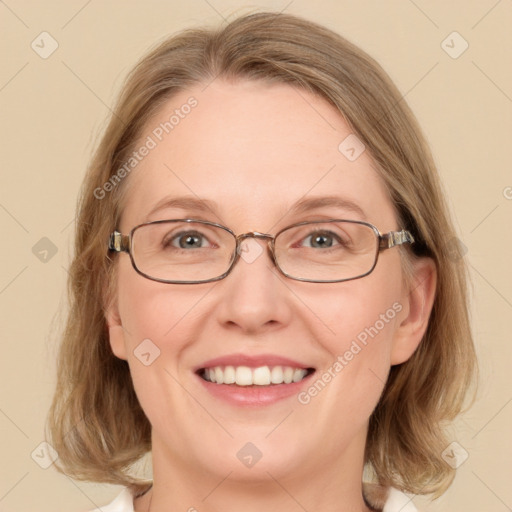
(255, 151)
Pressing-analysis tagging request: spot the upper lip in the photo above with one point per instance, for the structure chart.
(253, 361)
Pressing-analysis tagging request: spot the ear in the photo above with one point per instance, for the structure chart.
(115, 330)
(417, 301)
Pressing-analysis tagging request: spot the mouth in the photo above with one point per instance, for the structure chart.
(253, 380)
(261, 376)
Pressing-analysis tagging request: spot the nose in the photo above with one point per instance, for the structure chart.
(254, 297)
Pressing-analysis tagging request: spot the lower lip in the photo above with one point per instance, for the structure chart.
(254, 395)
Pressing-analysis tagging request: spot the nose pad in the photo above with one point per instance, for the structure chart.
(250, 249)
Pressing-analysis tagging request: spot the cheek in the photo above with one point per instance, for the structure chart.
(161, 319)
(361, 312)
(159, 324)
(155, 311)
(358, 322)
(345, 391)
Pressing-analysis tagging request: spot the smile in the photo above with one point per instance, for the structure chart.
(259, 376)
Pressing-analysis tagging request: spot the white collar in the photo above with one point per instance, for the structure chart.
(396, 501)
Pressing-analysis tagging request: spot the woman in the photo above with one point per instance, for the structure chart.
(288, 313)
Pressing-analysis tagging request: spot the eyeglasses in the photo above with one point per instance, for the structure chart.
(190, 251)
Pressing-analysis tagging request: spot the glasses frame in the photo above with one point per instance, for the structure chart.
(123, 243)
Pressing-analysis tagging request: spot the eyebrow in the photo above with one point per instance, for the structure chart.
(302, 206)
(314, 203)
(184, 203)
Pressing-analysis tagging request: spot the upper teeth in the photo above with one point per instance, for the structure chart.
(261, 376)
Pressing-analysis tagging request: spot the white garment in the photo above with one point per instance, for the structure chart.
(396, 502)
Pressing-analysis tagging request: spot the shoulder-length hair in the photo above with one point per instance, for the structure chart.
(95, 422)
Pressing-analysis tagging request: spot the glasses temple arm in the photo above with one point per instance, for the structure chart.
(118, 242)
(394, 238)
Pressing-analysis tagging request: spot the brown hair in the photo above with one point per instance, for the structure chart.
(96, 423)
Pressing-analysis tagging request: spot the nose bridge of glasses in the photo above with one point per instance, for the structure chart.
(261, 236)
(255, 234)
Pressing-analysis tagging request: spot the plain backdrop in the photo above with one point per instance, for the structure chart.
(54, 106)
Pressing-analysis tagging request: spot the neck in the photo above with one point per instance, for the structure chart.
(332, 486)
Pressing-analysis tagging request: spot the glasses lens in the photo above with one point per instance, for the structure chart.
(182, 251)
(327, 251)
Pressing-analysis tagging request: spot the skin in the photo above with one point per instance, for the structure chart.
(255, 149)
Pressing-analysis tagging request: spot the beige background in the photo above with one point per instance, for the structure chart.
(53, 109)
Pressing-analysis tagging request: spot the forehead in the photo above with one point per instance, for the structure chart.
(253, 149)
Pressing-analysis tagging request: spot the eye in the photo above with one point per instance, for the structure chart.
(321, 239)
(186, 240)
